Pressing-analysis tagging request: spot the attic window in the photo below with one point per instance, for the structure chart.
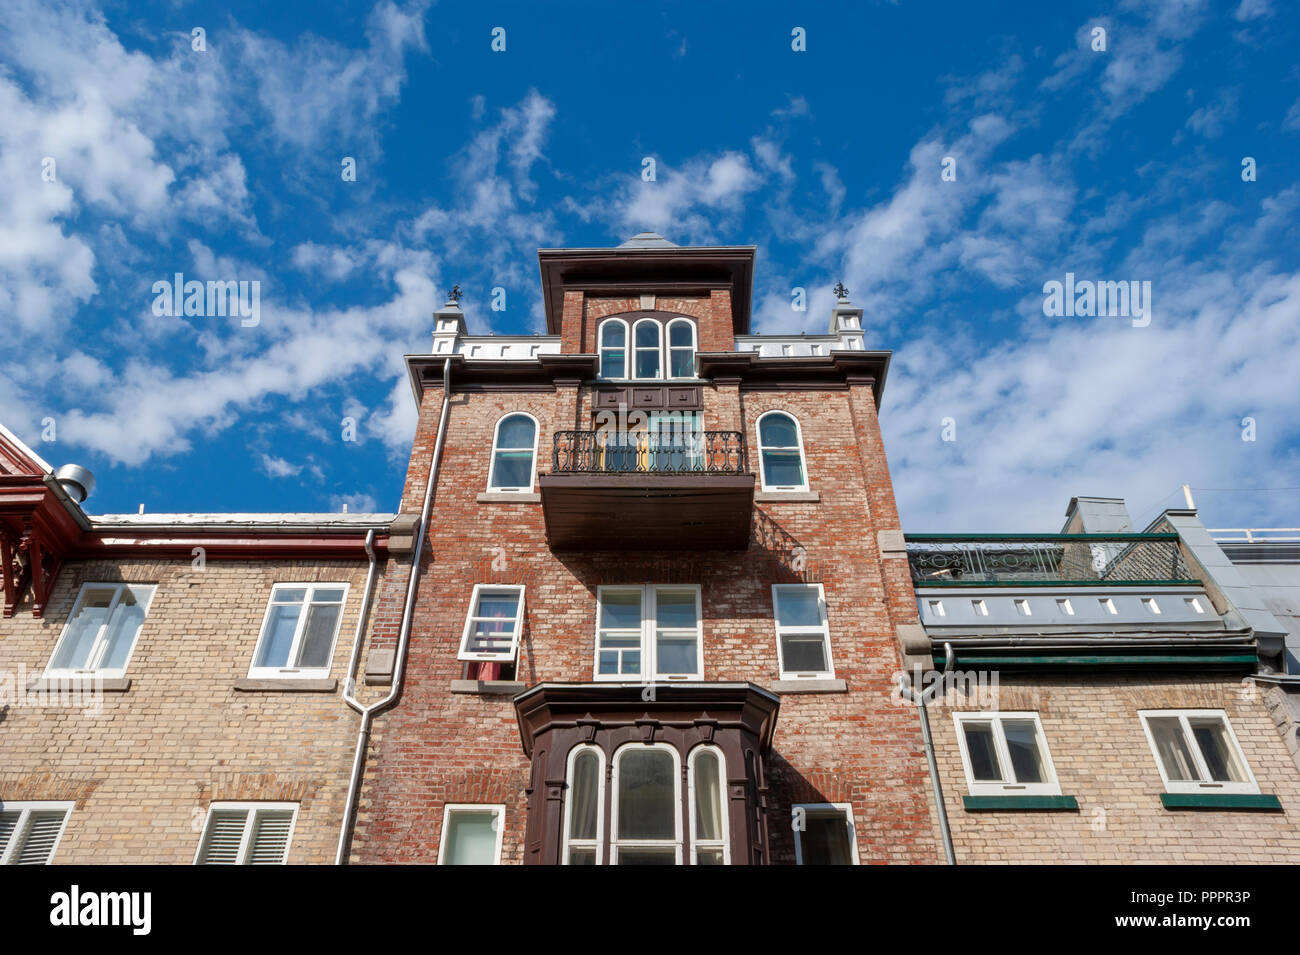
(1107, 605)
(1065, 607)
(981, 609)
(1194, 604)
(1150, 604)
(1022, 608)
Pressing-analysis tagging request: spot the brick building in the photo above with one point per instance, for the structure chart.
(171, 686)
(663, 593)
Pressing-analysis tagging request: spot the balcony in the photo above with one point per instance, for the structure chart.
(648, 490)
(1061, 560)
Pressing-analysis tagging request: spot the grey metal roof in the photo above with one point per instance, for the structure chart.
(648, 240)
(285, 521)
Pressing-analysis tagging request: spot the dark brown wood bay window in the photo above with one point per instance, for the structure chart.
(635, 775)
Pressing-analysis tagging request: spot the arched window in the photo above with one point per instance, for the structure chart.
(681, 348)
(584, 807)
(613, 348)
(780, 448)
(646, 349)
(514, 450)
(647, 806)
(709, 842)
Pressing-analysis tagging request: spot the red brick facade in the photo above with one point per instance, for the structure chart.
(854, 745)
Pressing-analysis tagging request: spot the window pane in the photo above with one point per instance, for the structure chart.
(1022, 745)
(647, 795)
(83, 628)
(1220, 756)
(516, 432)
(782, 468)
(513, 469)
(647, 364)
(295, 596)
(798, 607)
(682, 361)
(608, 663)
(708, 857)
(708, 797)
(620, 610)
(333, 595)
(583, 804)
(279, 635)
(984, 765)
(582, 857)
(804, 654)
(647, 335)
(825, 840)
(778, 431)
(675, 609)
(676, 654)
(471, 839)
(613, 333)
(498, 606)
(1172, 747)
(679, 334)
(125, 623)
(318, 636)
(644, 856)
(611, 363)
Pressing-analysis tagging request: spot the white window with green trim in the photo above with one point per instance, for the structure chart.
(1005, 754)
(247, 833)
(649, 632)
(101, 631)
(1196, 751)
(30, 831)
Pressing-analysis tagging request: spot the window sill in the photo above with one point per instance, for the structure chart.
(509, 497)
(1021, 803)
(1221, 801)
(774, 497)
(250, 685)
(809, 686)
(488, 687)
(83, 684)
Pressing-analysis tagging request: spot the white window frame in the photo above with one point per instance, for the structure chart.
(614, 842)
(1204, 784)
(449, 809)
(696, 842)
(11, 850)
(289, 672)
(599, 843)
(492, 461)
(825, 809)
(668, 348)
(649, 644)
(824, 630)
(659, 349)
(250, 824)
(762, 462)
(100, 645)
(627, 348)
(470, 619)
(1050, 787)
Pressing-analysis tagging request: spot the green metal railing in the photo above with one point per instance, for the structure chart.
(939, 560)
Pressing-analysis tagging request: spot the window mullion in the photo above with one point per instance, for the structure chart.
(245, 839)
(296, 646)
(649, 615)
(1004, 753)
(1194, 746)
(100, 645)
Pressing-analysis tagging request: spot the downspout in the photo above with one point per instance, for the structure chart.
(919, 698)
(368, 712)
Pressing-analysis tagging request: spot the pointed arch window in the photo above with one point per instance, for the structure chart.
(514, 454)
(780, 445)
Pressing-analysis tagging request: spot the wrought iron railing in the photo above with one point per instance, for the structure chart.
(673, 452)
(1044, 559)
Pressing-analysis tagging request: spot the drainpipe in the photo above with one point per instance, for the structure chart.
(368, 712)
(919, 698)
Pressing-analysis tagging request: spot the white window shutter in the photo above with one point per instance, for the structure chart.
(8, 822)
(270, 843)
(225, 835)
(40, 838)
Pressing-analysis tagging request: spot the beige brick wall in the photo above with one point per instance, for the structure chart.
(1102, 758)
(144, 771)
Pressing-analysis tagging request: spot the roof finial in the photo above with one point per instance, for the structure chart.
(455, 294)
(841, 291)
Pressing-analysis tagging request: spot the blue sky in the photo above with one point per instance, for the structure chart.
(225, 163)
